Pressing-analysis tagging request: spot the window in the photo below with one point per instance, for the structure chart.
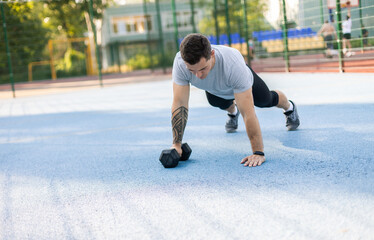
(131, 24)
(149, 23)
(183, 20)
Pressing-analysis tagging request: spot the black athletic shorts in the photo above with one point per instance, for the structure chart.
(347, 35)
(329, 41)
(262, 96)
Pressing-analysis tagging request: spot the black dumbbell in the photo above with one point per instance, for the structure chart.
(170, 157)
(186, 152)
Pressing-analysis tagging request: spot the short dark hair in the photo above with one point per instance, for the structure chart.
(195, 46)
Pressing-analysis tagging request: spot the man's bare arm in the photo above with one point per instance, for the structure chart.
(179, 111)
(178, 122)
(245, 104)
(349, 8)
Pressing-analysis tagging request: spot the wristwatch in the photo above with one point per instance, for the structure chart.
(259, 153)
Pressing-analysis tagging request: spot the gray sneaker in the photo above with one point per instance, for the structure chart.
(292, 118)
(232, 123)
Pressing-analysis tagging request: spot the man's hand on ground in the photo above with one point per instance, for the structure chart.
(253, 160)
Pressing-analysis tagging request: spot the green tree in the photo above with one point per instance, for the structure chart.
(31, 24)
(255, 17)
(70, 18)
(27, 38)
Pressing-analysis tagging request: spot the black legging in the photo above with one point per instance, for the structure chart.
(262, 96)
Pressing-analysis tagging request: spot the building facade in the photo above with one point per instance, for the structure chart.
(134, 29)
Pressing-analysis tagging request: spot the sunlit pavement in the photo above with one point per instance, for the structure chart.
(84, 165)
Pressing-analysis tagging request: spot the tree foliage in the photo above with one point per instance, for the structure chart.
(69, 17)
(31, 24)
(26, 35)
(255, 18)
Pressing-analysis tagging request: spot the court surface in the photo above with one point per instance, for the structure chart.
(84, 165)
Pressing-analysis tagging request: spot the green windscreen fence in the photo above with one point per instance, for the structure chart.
(52, 40)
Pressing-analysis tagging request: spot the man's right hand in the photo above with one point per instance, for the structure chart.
(178, 147)
(253, 160)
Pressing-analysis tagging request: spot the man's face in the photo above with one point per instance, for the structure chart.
(203, 67)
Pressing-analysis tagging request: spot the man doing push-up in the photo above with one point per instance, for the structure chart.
(230, 85)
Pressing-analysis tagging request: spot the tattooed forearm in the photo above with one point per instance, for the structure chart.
(178, 122)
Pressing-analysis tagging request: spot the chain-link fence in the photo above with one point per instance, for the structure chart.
(42, 40)
(57, 39)
(316, 38)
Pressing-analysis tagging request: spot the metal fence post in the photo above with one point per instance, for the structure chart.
(118, 57)
(95, 39)
(228, 22)
(148, 34)
(285, 37)
(339, 28)
(362, 26)
(193, 16)
(8, 51)
(161, 39)
(175, 24)
(321, 9)
(52, 62)
(216, 21)
(246, 32)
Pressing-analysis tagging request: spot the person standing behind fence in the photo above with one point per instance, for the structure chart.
(328, 33)
(365, 34)
(347, 28)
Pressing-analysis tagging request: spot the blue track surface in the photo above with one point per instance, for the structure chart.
(84, 165)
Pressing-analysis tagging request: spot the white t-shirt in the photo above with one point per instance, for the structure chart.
(229, 75)
(347, 26)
